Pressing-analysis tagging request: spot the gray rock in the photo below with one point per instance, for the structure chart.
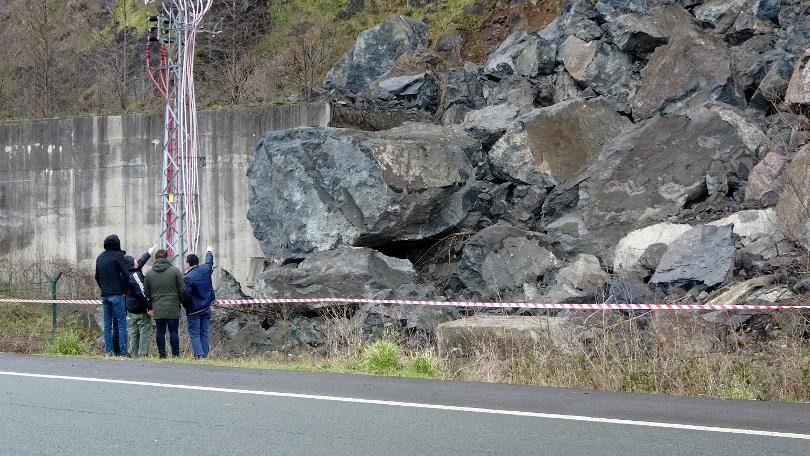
(652, 256)
(549, 145)
(305, 332)
(773, 86)
(455, 114)
(345, 272)
(656, 168)
(416, 324)
(692, 64)
(757, 233)
(526, 53)
(254, 337)
(228, 287)
(802, 286)
(583, 280)
(637, 34)
(768, 10)
(515, 90)
(450, 47)
(798, 91)
(793, 209)
(413, 91)
(746, 26)
(719, 14)
(489, 123)
(671, 19)
(629, 290)
(501, 334)
(375, 52)
(638, 243)
(703, 256)
(601, 67)
(315, 189)
(764, 180)
(793, 13)
(461, 86)
(565, 88)
(499, 260)
(580, 19)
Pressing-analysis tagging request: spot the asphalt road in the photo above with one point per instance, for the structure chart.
(76, 407)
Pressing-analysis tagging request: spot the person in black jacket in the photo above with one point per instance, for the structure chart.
(111, 277)
(199, 297)
(138, 306)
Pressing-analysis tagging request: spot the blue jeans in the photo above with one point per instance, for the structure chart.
(114, 307)
(174, 337)
(198, 332)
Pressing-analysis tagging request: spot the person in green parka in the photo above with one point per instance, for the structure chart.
(165, 288)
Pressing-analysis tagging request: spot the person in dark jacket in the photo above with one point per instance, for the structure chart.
(138, 306)
(165, 289)
(199, 297)
(111, 277)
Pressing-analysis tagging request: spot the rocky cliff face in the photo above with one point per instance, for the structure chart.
(645, 139)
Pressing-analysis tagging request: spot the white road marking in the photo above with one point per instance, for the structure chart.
(552, 416)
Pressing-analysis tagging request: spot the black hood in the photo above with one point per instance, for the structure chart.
(112, 242)
(130, 261)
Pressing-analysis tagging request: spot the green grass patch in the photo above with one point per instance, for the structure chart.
(382, 357)
(69, 343)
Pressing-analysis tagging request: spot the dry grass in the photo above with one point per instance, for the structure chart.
(676, 354)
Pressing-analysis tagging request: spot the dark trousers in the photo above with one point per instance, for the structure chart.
(174, 337)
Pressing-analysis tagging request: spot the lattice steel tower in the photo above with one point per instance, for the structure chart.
(175, 32)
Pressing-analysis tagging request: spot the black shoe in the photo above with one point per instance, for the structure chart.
(162, 356)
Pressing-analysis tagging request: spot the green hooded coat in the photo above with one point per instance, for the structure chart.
(164, 286)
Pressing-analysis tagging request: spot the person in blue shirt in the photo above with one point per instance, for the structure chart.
(199, 298)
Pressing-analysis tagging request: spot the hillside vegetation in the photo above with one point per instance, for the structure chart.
(77, 57)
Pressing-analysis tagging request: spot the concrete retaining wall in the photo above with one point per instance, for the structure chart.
(67, 183)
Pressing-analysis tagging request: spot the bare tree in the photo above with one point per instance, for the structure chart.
(230, 57)
(114, 56)
(311, 53)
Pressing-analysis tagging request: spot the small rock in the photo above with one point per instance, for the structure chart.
(702, 256)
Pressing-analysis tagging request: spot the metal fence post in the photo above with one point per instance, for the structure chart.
(53, 281)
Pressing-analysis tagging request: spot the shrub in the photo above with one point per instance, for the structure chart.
(424, 365)
(68, 343)
(381, 357)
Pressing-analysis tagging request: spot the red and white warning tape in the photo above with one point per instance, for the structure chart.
(509, 305)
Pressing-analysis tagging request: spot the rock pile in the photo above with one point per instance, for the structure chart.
(630, 150)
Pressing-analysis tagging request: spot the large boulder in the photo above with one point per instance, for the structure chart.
(703, 257)
(375, 52)
(658, 169)
(693, 63)
(549, 145)
(314, 189)
(346, 272)
(793, 209)
(499, 260)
